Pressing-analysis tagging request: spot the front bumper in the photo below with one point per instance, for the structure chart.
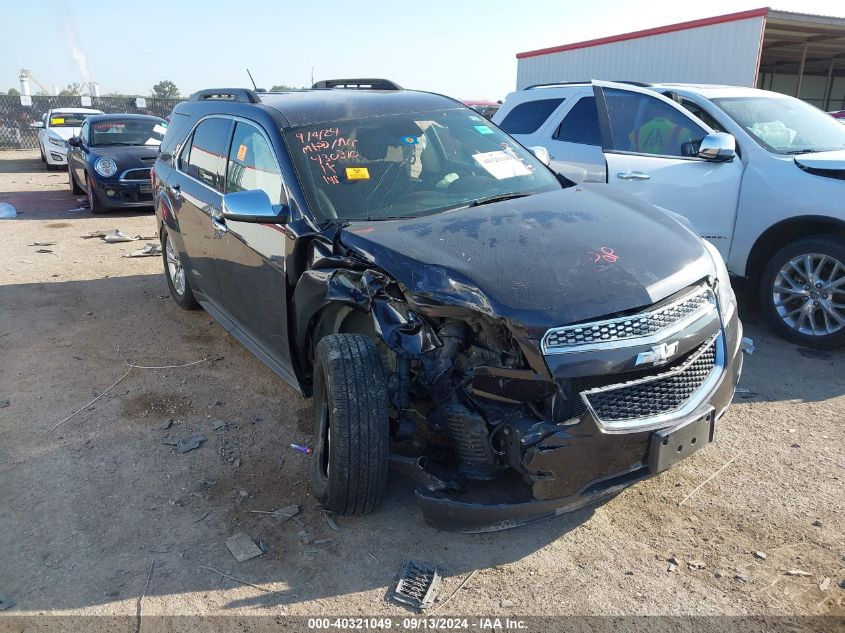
(121, 194)
(54, 154)
(579, 465)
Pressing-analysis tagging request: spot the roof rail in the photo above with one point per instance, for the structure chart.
(641, 84)
(357, 84)
(241, 95)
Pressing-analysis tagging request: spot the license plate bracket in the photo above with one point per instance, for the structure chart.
(669, 446)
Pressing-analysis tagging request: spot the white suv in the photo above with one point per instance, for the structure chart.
(758, 174)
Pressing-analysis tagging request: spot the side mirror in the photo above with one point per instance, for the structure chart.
(542, 154)
(75, 141)
(253, 206)
(37, 124)
(718, 147)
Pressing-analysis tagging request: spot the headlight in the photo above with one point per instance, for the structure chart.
(105, 167)
(57, 141)
(724, 292)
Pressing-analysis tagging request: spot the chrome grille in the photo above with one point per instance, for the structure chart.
(645, 324)
(658, 395)
(136, 174)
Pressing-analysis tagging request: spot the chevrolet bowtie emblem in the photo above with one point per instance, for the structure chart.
(658, 354)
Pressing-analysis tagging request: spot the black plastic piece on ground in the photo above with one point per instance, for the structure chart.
(417, 584)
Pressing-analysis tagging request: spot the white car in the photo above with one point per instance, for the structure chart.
(54, 130)
(758, 174)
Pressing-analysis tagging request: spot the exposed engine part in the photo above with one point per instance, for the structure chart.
(472, 442)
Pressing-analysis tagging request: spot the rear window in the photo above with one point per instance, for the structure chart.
(527, 117)
(581, 124)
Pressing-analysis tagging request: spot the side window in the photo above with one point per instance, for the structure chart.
(702, 114)
(645, 125)
(527, 117)
(252, 165)
(206, 158)
(83, 132)
(581, 124)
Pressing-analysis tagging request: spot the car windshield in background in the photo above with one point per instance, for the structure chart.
(410, 165)
(68, 119)
(785, 125)
(127, 132)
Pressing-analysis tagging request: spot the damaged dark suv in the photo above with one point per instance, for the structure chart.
(517, 345)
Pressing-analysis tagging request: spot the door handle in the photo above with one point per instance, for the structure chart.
(632, 175)
(177, 191)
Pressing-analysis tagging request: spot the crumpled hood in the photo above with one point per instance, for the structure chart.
(541, 261)
(834, 161)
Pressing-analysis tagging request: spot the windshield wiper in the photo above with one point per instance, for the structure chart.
(499, 197)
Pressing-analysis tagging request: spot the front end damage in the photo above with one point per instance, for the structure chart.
(502, 424)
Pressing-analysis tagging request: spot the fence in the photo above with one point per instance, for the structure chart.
(16, 119)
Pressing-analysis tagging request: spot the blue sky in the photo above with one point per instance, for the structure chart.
(461, 48)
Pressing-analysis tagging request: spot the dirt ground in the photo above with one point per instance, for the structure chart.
(102, 509)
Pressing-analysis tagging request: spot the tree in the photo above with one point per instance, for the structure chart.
(14, 92)
(72, 90)
(165, 90)
(283, 88)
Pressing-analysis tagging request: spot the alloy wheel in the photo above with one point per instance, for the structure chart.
(809, 294)
(175, 269)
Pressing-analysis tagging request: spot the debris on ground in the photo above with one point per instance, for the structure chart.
(741, 577)
(302, 449)
(747, 345)
(4, 404)
(43, 244)
(190, 443)
(113, 237)
(329, 517)
(817, 523)
(282, 515)
(745, 393)
(761, 555)
(205, 514)
(672, 567)
(696, 564)
(416, 584)
(242, 547)
(7, 211)
(824, 585)
(149, 250)
(797, 572)
(506, 604)
(6, 602)
(218, 424)
(93, 234)
(43, 250)
(322, 541)
(674, 560)
(166, 424)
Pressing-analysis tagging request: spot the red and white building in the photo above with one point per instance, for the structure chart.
(793, 53)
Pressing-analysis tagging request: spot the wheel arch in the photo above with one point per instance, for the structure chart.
(779, 235)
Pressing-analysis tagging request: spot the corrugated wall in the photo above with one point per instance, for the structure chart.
(718, 54)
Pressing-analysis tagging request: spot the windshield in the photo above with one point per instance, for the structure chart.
(785, 125)
(68, 119)
(414, 164)
(128, 132)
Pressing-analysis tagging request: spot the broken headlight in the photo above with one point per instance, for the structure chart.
(724, 293)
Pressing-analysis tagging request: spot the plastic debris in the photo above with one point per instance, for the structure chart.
(824, 585)
(7, 211)
(218, 425)
(797, 572)
(166, 424)
(190, 443)
(747, 345)
(761, 555)
(116, 236)
(43, 244)
(329, 517)
(417, 584)
(150, 250)
(242, 547)
(4, 404)
(282, 515)
(302, 449)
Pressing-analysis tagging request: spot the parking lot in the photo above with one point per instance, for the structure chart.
(100, 509)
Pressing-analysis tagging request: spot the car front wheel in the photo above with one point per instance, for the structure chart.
(802, 292)
(75, 189)
(93, 201)
(351, 429)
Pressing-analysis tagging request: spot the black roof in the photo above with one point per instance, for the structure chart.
(94, 118)
(319, 106)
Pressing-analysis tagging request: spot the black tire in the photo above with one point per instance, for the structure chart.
(184, 299)
(75, 189)
(94, 203)
(351, 430)
(818, 245)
